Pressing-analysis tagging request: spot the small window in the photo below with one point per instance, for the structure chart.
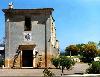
(27, 26)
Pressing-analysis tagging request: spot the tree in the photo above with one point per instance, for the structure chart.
(89, 52)
(62, 53)
(94, 68)
(66, 62)
(98, 44)
(2, 42)
(63, 62)
(72, 50)
(80, 48)
(91, 42)
(2, 53)
(98, 52)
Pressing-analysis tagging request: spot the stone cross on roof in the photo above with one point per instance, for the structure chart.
(10, 6)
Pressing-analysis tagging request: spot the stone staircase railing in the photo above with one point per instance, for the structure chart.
(15, 58)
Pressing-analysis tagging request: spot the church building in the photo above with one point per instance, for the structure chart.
(30, 37)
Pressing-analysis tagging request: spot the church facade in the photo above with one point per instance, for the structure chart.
(30, 37)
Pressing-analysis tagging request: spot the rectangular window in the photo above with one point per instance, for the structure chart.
(27, 26)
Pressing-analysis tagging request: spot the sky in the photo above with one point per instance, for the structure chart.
(77, 21)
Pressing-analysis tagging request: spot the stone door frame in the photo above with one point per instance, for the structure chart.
(25, 47)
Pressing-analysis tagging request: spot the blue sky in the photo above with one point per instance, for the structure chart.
(77, 21)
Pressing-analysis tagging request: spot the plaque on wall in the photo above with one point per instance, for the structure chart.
(27, 37)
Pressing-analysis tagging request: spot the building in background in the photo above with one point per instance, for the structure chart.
(2, 55)
(30, 35)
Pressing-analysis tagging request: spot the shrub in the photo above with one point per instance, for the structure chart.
(87, 60)
(48, 73)
(55, 62)
(94, 68)
(62, 61)
(66, 62)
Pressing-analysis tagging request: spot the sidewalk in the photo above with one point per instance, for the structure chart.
(78, 68)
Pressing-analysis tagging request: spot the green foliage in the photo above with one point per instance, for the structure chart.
(1, 62)
(55, 62)
(81, 48)
(90, 51)
(94, 68)
(73, 49)
(62, 54)
(48, 73)
(62, 61)
(66, 62)
(98, 52)
(87, 51)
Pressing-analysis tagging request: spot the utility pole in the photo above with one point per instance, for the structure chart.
(70, 54)
(45, 42)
